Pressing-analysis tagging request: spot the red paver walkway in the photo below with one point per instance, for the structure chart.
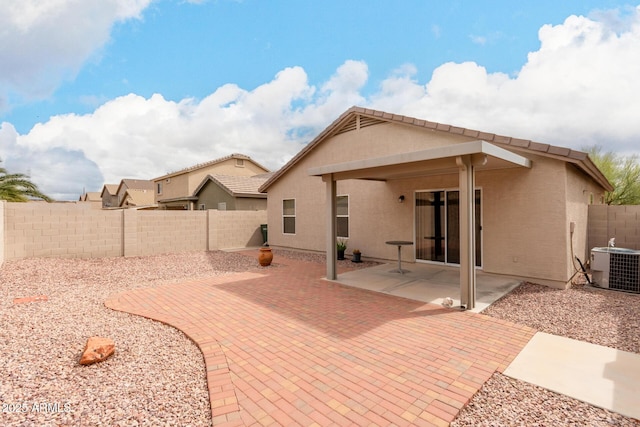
(282, 346)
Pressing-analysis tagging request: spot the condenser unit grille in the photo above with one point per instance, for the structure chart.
(624, 273)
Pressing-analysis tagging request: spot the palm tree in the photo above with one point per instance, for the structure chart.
(16, 187)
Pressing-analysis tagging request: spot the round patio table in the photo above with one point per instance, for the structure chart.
(399, 244)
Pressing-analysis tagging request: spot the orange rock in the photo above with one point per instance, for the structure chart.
(27, 300)
(96, 350)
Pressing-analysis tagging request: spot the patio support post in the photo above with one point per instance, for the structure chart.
(331, 227)
(467, 235)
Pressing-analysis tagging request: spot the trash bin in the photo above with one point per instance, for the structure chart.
(263, 228)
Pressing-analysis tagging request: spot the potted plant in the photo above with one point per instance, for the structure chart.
(341, 246)
(356, 256)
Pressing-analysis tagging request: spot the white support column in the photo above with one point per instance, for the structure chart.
(467, 235)
(332, 268)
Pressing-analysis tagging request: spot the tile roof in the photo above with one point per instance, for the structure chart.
(111, 189)
(369, 117)
(138, 197)
(237, 185)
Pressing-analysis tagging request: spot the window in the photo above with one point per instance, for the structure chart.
(342, 218)
(159, 188)
(289, 216)
(240, 163)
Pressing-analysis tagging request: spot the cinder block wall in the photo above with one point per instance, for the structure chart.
(158, 232)
(67, 230)
(75, 230)
(235, 229)
(621, 222)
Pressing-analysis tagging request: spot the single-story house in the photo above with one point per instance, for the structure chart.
(176, 190)
(138, 198)
(231, 193)
(109, 196)
(461, 197)
(125, 193)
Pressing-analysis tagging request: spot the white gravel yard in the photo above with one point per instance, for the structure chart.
(156, 376)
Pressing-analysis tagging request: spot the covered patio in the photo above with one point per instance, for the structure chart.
(428, 283)
(463, 159)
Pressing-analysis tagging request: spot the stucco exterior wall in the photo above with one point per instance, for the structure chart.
(184, 184)
(526, 213)
(211, 195)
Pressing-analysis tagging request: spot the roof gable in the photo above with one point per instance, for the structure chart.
(358, 117)
(211, 163)
(246, 186)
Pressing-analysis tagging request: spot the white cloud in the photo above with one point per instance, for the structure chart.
(43, 43)
(579, 88)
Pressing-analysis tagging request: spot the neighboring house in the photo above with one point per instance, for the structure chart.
(176, 190)
(109, 196)
(92, 197)
(232, 193)
(138, 198)
(125, 192)
(460, 196)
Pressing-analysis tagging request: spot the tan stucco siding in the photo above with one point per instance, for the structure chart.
(526, 212)
(183, 185)
(581, 191)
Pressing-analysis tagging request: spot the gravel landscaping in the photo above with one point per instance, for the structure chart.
(585, 313)
(157, 378)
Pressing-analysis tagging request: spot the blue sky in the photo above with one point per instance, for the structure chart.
(93, 92)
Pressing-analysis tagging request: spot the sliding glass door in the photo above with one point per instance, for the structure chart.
(438, 226)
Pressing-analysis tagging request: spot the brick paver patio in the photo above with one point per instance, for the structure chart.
(282, 346)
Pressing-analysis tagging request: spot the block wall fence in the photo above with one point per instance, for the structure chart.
(75, 230)
(621, 222)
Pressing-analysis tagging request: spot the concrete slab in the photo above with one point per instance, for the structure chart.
(601, 376)
(428, 283)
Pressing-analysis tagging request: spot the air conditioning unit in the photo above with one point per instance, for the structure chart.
(616, 268)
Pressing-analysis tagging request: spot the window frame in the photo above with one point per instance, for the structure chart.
(347, 216)
(285, 216)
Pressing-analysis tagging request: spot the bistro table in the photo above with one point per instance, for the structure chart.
(399, 244)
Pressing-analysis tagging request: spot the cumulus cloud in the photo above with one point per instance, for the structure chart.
(579, 88)
(42, 43)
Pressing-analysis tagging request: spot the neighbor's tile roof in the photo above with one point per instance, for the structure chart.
(237, 185)
(347, 121)
(111, 189)
(139, 197)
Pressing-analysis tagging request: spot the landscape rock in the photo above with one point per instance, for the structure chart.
(96, 350)
(27, 300)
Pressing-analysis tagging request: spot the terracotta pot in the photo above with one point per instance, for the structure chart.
(265, 256)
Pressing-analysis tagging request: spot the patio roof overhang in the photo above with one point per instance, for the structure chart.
(434, 161)
(463, 159)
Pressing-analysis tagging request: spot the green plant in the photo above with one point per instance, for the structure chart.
(341, 244)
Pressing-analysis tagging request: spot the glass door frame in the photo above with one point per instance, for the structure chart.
(446, 236)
